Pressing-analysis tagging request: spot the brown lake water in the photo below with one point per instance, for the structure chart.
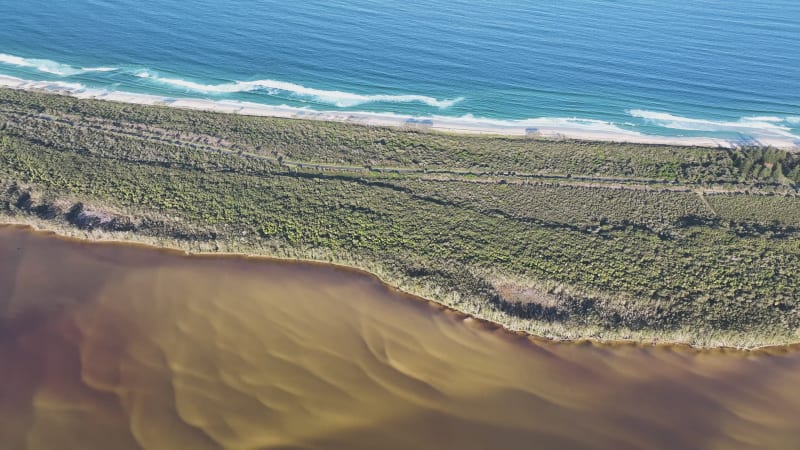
(106, 346)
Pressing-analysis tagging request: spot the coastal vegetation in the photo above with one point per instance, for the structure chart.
(562, 238)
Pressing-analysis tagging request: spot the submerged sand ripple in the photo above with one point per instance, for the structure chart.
(120, 347)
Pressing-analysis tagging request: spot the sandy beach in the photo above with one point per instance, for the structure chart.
(552, 128)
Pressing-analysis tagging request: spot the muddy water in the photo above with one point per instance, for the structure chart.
(118, 347)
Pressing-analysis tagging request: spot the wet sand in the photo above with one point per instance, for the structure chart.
(112, 346)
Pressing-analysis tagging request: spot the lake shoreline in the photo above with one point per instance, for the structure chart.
(38, 226)
(321, 191)
(262, 343)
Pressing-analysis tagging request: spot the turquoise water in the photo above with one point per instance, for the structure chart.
(728, 69)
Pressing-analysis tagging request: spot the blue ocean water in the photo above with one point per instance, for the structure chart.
(720, 68)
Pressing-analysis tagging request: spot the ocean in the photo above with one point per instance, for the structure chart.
(721, 69)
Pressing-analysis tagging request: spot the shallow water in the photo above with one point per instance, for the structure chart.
(108, 346)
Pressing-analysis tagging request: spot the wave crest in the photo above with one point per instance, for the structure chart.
(760, 127)
(51, 67)
(336, 98)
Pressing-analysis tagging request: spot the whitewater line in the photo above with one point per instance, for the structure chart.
(336, 98)
(51, 67)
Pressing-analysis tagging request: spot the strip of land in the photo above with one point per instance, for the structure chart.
(564, 239)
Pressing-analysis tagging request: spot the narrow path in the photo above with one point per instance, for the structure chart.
(705, 202)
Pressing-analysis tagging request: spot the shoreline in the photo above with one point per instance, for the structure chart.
(41, 227)
(541, 128)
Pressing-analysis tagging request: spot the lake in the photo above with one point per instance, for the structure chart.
(110, 346)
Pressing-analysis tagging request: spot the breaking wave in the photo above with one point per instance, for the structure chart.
(757, 127)
(51, 67)
(273, 87)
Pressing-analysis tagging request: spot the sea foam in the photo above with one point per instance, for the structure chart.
(51, 67)
(273, 87)
(758, 127)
